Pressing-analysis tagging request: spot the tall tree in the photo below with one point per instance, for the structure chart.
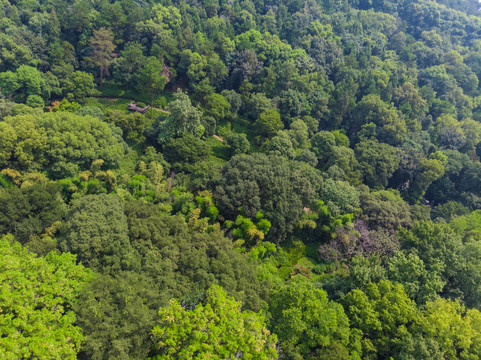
(102, 45)
(184, 118)
(150, 79)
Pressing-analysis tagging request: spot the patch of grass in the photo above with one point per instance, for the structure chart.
(112, 90)
(102, 103)
(218, 148)
(108, 104)
(217, 160)
(120, 104)
(155, 114)
(242, 125)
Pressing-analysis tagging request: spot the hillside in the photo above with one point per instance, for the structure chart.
(240, 179)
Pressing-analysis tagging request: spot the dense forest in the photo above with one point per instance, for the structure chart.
(240, 179)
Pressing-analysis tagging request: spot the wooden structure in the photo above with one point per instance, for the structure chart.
(133, 107)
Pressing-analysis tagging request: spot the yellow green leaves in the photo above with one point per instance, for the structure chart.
(36, 320)
(217, 329)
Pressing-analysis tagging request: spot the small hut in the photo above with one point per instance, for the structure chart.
(133, 107)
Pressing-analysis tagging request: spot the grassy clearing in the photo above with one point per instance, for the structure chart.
(219, 150)
(108, 103)
(111, 90)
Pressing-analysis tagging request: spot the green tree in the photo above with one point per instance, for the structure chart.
(29, 210)
(132, 125)
(377, 162)
(37, 320)
(279, 187)
(269, 123)
(322, 143)
(25, 143)
(96, 230)
(308, 324)
(238, 143)
(371, 109)
(385, 209)
(185, 151)
(150, 79)
(420, 284)
(454, 329)
(281, 145)
(129, 63)
(9, 83)
(217, 329)
(183, 262)
(383, 312)
(75, 141)
(430, 170)
(440, 248)
(102, 45)
(116, 314)
(340, 197)
(31, 80)
(81, 85)
(183, 118)
(217, 106)
(35, 101)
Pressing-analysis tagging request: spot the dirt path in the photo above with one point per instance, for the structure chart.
(162, 110)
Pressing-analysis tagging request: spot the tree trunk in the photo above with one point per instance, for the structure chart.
(101, 76)
(151, 104)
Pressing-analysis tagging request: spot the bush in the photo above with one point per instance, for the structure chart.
(160, 102)
(93, 111)
(223, 130)
(238, 143)
(35, 101)
(209, 124)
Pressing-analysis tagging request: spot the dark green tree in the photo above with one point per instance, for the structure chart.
(101, 45)
(279, 187)
(96, 230)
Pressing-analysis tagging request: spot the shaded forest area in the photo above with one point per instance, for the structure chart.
(303, 182)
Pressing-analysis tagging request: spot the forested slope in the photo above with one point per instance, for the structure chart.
(302, 179)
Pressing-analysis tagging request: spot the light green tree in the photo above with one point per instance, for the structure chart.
(217, 329)
(383, 312)
(269, 122)
(36, 319)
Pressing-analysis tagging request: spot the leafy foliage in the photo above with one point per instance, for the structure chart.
(38, 293)
(216, 328)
